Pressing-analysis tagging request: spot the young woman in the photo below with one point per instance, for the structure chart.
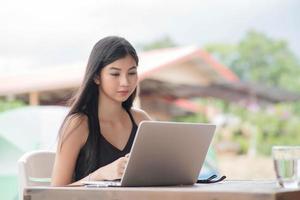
(97, 134)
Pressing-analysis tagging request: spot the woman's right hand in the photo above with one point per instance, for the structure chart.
(111, 171)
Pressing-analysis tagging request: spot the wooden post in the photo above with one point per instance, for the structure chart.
(34, 98)
(10, 97)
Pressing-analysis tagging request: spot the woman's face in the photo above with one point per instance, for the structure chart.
(118, 80)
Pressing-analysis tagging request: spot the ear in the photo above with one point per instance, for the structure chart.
(97, 79)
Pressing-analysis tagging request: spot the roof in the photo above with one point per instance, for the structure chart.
(233, 92)
(187, 65)
(156, 60)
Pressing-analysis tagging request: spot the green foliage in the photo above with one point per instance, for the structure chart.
(257, 127)
(196, 118)
(226, 53)
(243, 143)
(260, 58)
(7, 105)
(163, 42)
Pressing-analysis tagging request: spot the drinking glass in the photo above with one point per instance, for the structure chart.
(287, 165)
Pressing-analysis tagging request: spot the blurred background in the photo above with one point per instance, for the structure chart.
(232, 63)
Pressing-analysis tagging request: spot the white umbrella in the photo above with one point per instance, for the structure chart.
(25, 129)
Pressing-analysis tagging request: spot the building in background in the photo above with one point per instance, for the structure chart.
(169, 78)
(166, 76)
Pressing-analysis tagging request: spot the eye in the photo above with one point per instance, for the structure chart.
(114, 74)
(132, 73)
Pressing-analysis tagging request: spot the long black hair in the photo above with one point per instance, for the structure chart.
(85, 101)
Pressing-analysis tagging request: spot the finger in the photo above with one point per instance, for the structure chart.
(124, 160)
(120, 172)
(122, 163)
(123, 166)
(121, 159)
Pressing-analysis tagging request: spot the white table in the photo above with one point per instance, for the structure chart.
(226, 190)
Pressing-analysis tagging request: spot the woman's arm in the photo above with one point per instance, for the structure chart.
(73, 136)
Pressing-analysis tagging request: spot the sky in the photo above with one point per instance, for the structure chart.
(36, 34)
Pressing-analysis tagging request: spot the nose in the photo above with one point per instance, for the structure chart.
(124, 81)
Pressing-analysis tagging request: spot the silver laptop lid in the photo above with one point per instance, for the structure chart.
(167, 153)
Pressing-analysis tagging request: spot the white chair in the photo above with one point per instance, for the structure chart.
(35, 169)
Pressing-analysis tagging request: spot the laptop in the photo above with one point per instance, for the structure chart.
(164, 154)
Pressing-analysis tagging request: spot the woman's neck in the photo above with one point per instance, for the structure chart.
(109, 110)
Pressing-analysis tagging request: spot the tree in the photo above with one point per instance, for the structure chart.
(8, 105)
(163, 42)
(260, 58)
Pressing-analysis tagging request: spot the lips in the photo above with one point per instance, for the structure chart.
(123, 92)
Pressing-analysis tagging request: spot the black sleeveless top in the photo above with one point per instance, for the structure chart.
(106, 152)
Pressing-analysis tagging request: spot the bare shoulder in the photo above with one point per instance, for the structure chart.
(75, 129)
(140, 115)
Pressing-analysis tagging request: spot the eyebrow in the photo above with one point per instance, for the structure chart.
(115, 68)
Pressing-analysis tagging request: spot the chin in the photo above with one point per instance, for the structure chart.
(121, 99)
